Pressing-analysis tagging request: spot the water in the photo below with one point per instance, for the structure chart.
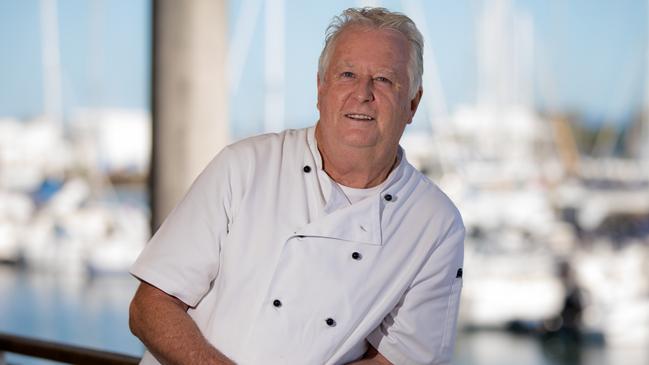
(93, 312)
(502, 348)
(73, 309)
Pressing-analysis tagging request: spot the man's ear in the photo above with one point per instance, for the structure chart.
(414, 103)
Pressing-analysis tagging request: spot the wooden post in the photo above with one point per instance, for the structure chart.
(190, 96)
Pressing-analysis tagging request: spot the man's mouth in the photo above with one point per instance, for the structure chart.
(357, 116)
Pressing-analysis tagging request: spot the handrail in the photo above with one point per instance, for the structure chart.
(61, 352)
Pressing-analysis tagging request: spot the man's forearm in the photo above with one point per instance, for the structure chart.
(368, 362)
(371, 357)
(161, 322)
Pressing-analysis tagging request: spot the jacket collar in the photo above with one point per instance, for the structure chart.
(360, 222)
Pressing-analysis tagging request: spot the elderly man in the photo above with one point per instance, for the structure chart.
(314, 246)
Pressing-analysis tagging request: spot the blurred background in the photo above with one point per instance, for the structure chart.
(534, 120)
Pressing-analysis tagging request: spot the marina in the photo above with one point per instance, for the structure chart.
(556, 266)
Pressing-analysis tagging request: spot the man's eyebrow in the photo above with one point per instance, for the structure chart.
(383, 70)
(388, 71)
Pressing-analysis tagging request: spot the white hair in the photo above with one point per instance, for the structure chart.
(379, 18)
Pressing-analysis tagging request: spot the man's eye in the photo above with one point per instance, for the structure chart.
(347, 74)
(382, 79)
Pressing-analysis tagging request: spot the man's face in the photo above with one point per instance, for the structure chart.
(363, 99)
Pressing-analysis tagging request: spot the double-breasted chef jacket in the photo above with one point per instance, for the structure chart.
(279, 268)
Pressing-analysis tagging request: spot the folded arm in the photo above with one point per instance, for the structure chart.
(161, 322)
(371, 357)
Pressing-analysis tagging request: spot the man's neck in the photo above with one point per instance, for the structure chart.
(359, 168)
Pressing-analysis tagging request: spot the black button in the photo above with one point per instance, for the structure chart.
(388, 197)
(277, 303)
(307, 169)
(459, 273)
(356, 256)
(330, 322)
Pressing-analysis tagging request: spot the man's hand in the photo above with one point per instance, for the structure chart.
(161, 322)
(372, 357)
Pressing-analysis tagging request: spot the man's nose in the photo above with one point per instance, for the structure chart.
(364, 90)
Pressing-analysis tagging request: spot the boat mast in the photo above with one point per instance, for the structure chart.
(644, 125)
(274, 66)
(434, 98)
(51, 62)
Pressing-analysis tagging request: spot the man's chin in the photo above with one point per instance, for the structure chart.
(358, 142)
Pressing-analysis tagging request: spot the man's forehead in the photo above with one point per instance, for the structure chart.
(384, 38)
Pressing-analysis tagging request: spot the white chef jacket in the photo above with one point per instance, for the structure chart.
(278, 268)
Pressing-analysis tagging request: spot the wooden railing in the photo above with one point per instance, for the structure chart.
(60, 352)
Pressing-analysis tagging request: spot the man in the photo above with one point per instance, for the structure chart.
(314, 246)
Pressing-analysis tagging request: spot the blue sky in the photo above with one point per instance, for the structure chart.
(592, 53)
(106, 64)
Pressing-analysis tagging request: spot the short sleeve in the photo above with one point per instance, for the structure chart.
(182, 258)
(421, 328)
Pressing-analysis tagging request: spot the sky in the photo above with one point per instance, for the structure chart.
(589, 57)
(104, 58)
